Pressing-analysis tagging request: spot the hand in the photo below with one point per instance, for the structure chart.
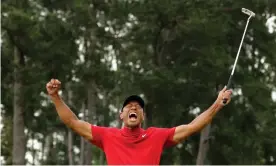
(53, 87)
(224, 94)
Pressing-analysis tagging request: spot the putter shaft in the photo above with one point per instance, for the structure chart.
(238, 53)
(251, 14)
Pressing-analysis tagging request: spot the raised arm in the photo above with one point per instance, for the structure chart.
(64, 112)
(183, 131)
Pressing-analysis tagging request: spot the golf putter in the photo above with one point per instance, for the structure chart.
(250, 14)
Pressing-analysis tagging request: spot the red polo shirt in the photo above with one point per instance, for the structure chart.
(132, 147)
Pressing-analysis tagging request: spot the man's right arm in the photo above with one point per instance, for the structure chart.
(71, 120)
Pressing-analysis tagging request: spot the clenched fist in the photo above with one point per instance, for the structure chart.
(53, 87)
(224, 95)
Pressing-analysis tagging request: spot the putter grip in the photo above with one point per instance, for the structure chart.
(227, 87)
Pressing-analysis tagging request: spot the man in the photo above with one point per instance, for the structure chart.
(131, 144)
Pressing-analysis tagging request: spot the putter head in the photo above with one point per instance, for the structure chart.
(248, 12)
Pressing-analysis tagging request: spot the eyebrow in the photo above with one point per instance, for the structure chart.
(133, 104)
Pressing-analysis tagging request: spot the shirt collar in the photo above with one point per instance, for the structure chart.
(132, 132)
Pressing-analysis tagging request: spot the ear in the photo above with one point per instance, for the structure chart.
(144, 116)
(121, 115)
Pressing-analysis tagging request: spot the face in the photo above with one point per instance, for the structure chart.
(132, 114)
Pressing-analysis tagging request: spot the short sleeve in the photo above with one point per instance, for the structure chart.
(98, 134)
(169, 133)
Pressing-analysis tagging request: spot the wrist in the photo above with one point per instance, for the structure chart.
(218, 104)
(54, 96)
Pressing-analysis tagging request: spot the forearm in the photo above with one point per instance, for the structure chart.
(64, 112)
(183, 131)
(206, 117)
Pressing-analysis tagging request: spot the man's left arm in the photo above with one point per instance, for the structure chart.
(183, 131)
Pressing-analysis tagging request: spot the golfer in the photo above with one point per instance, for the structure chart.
(132, 145)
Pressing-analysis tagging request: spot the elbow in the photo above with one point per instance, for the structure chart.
(183, 132)
(194, 128)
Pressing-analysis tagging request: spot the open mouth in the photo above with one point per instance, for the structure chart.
(132, 116)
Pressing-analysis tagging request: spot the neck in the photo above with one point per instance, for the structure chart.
(132, 128)
(132, 131)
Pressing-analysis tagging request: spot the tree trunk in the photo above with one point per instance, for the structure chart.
(47, 147)
(33, 149)
(149, 114)
(118, 105)
(102, 158)
(52, 158)
(70, 147)
(203, 145)
(81, 162)
(145, 121)
(91, 105)
(70, 133)
(19, 137)
(42, 151)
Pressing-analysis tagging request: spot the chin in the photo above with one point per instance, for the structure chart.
(133, 125)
